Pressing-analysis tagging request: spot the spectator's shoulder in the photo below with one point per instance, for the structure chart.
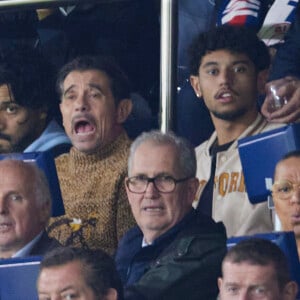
(62, 157)
(131, 235)
(203, 224)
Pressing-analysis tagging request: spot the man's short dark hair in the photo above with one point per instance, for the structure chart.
(235, 39)
(29, 77)
(98, 268)
(120, 85)
(262, 252)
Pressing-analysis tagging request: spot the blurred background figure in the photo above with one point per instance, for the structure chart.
(28, 104)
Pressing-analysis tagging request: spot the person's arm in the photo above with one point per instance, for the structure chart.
(290, 111)
(285, 72)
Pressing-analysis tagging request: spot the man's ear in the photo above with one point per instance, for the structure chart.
(262, 78)
(194, 80)
(127, 190)
(42, 115)
(193, 185)
(111, 294)
(123, 110)
(220, 283)
(45, 212)
(290, 290)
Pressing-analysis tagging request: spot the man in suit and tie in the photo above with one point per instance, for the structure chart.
(25, 208)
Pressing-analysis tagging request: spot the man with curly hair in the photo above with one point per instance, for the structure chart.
(229, 68)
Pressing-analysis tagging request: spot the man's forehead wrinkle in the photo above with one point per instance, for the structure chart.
(89, 86)
(68, 89)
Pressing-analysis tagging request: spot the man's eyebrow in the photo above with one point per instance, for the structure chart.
(96, 86)
(210, 63)
(242, 61)
(68, 89)
(91, 85)
(156, 175)
(7, 102)
(215, 63)
(68, 287)
(231, 284)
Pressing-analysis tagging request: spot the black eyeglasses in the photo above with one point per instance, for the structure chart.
(163, 183)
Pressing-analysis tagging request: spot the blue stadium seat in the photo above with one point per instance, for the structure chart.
(18, 278)
(259, 155)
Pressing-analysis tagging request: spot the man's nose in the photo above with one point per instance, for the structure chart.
(151, 190)
(81, 103)
(226, 76)
(56, 297)
(244, 295)
(2, 121)
(295, 198)
(3, 206)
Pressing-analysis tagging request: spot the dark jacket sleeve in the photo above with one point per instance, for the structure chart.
(287, 58)
(191, 264)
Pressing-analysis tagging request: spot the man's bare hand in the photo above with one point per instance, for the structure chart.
(289, 90)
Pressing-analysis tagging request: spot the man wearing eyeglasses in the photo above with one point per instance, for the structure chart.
(286, 193)
(174, 250)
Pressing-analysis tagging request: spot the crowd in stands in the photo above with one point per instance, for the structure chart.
(147, 215)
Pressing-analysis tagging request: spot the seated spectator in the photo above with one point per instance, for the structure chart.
(286, 193)
(27, 104)
(174, 252)
(270, 19)
(95, 102)
(72, 273)
(256, 269)
(229, 66)
(25, 208)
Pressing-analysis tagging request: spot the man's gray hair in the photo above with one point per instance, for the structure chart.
(42, 189)
(186, 152)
